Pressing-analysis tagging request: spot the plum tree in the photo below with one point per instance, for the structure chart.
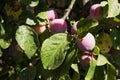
(74, 28)
(95, 11)
(87, 43)
(39, 29)
(52, 14)
(58, 26)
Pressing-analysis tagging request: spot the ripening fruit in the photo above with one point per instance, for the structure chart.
(52, 14)
(105, 43)
(85, 60)
(58, 26)
(74, 28)
(39, 29)
(95, 11)
(87, 43)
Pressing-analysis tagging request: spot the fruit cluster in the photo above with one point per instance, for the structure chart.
(59, 25)
(56, 25)
(87, 43)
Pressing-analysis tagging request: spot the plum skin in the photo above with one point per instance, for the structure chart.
(95, 11)
(85, 60)
(74, 28)
(58, 26)
(52, 14)
(39, 29)
(87, 43)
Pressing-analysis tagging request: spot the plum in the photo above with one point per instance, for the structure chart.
(74, 28)
(58, 26)
(87, 43)
(95, 11)
(85, 60)
(39, 29)
(52, 14)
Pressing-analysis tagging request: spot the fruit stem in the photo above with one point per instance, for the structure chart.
(69, 9)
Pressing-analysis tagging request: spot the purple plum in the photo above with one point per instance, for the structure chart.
(74, 28)
(95, 11)
(39, 29)
(87, 43)
(58, 26)
(52, 14)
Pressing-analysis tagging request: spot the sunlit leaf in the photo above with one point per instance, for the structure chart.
(34, 3)
(113, 8)
(4, 44)
(54, 50)
(42, 15)
(101, 60)
(30, 21)
(25, 38)
(91, 70)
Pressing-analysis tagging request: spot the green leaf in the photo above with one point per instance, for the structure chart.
(4, 44)
(25, 38)
(63, 69)
(115, 37)
(54, 50)
(0, 52)
(99, 73)
(111, 72)
(101, 60)
(117, 18)
(86, 24)
(91, 70)
(42, 15)
(2, 31)
(75, 67)
(104, 5)
(34, 3)
(70, 58)
(113, 8)
(28, 73)
(41, 21)
(30, 21)
(96, 50)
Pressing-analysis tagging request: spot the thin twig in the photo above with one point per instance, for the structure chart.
(69, 9)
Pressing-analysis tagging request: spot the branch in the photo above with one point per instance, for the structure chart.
(69, 9)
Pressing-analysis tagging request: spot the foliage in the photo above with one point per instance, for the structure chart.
(27, 55)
